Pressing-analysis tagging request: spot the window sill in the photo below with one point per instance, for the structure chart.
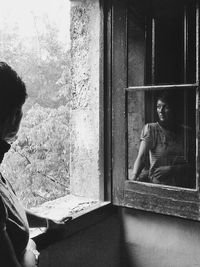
(81, 220)
(62, 207)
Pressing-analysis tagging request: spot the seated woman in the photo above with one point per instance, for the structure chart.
(163, 143)
(15, 247)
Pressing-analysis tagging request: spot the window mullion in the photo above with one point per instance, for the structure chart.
(161, 87)
(197, 42)
(153, 51)
(185, 45)
(197, 137)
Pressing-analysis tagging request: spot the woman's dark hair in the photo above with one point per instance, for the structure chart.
(12, 91)
(175, 100)
(170, 97)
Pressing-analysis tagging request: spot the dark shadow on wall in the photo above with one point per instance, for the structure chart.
(127, 258)
(88, 242)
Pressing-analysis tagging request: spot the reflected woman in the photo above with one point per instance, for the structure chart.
(163, 144)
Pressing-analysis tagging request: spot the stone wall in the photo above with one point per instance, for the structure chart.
(85, 55)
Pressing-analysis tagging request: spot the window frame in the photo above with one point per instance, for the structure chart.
(181, 202)
(104, 208)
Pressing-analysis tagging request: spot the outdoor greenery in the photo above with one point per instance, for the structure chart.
(37, 164)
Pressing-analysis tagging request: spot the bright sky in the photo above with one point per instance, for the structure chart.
(24, 11)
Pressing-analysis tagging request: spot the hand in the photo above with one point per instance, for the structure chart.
(163, 175)
(132, 175)
(143, 177)
(29, 259)
(162, 171)
(30, 255)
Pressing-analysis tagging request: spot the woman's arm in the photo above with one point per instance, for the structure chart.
(140, 160)
(38, 221)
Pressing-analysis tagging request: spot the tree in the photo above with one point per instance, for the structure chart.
(38, 163)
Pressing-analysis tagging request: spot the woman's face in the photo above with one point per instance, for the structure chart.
(164, 111)
(11, 125)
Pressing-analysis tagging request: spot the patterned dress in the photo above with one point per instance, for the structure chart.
(166, 148)
(12, 214)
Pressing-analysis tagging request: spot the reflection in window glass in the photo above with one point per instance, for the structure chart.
(162, 146)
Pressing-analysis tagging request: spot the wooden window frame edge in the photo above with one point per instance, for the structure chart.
(183, 202)
(163, 199)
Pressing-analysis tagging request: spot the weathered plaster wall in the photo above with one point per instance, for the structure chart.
(85, 53)
(153, 240)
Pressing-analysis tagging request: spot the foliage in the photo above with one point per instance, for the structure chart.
(38, 163)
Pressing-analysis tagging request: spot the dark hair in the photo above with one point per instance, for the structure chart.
(169, 97)
(174, 98)
(12, 91)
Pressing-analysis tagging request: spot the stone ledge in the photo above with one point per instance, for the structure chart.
(60, 208)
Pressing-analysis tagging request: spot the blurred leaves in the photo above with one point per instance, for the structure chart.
(37, 164)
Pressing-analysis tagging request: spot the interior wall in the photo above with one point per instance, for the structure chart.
(131, 238)
(95, 246)
(153, 240)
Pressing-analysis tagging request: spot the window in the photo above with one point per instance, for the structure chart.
(55, 156)
(171, 157)
(157, 44)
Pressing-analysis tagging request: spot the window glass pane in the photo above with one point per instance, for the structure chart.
(136, 43)
(161, 141)
(175, 48)
(161, 42)
(169, 52)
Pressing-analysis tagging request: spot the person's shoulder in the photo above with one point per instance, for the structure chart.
(150, 129)
(151, 126)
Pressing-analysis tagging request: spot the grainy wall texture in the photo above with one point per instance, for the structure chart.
(94, 246)
(85, 55)
(154, 240)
